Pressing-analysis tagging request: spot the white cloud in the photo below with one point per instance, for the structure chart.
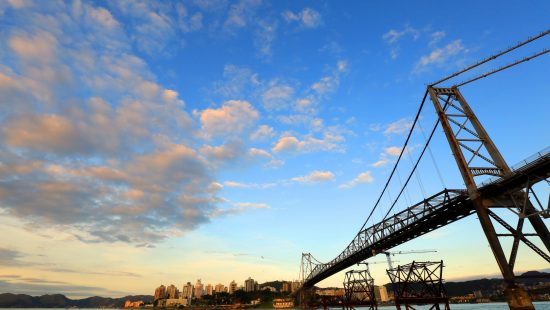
(234, 184)
(440, 56)
(435, 37)
(237, 82)
(362, 178)
(41, 47)
(232, 118)
(103, 17)
(224, 153)
(398, 127)
(238, 208)
(326, 84)
(277, 96)
(264, 37)
(393, 36)
(263, 132)
(241, 13)
(187, 22)
(307, 18)
(388, 152)
(254, 152)
(393, 150)
(381, 162)
(304, 104)
(315, 177)
(119, 161)
(289, 143)
(342, 65)
(19, 4)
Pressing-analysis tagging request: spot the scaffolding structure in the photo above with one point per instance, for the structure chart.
(419, 283)
(359, 289)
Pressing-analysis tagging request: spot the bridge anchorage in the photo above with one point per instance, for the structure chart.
(476, 155)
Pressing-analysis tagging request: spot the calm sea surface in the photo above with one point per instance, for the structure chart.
(490, 306)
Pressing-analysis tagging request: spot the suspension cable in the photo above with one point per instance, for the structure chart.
(398, 159)
(418, 179)
(414, 168)
(504, 67)
(433, 158)
(530, 39)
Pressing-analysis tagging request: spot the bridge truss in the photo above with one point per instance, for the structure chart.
(476, 155)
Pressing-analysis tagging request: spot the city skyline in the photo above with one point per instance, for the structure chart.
(145, 142)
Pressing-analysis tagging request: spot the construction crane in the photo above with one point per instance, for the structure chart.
(393, 253)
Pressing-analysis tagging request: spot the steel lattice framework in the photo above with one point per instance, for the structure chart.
(359, 289)
(419, 283)
(476, 155)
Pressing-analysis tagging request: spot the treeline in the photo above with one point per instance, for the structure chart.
(239, 297)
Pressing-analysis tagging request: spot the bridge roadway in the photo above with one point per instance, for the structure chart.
(443, 208)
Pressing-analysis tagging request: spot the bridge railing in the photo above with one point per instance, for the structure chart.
(531, 160)
(373, 234)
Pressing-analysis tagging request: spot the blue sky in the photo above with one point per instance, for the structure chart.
(161, 142)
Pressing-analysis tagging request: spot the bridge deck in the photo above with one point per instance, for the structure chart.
(437, 211)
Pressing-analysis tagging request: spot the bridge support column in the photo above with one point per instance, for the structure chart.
(469, 137)
(518, 299)
(307, 298)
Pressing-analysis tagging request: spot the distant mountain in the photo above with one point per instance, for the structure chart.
(276, 284)
(8, 300)
(489, 285)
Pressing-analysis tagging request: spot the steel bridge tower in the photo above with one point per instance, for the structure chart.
(470, 143)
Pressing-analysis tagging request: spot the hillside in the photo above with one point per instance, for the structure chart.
(8, 300)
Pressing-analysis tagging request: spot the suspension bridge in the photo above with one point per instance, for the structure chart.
(476, 156)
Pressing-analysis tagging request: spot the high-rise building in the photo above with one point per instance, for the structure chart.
(286, 287)
(199, 289)
(160, 292)
(220, 288)
(249, 285)
(172, 292)
(232, 287)
(209, 289)
(187, 291)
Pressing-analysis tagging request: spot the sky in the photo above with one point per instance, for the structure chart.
(146, 143)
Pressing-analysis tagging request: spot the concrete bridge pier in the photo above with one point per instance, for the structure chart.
(306, 298)
(518, 299)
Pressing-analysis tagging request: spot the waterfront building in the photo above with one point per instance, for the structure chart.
(333, 292)
(187, 291)
(199, 289)
(209, 289)
(133, 304)
(381, 293)
(175, 302)
(232, 287)
(172, 292)
(160, 292)
(249, 285)
(220, 288)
